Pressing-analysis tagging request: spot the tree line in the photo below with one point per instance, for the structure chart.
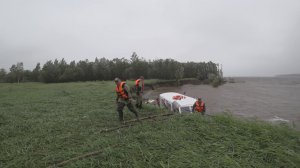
(105, 69)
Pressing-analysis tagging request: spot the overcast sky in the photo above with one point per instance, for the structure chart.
(248, 37)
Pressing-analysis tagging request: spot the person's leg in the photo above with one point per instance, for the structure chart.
(132, 109)
(120, 110)
(138, 99)
(141, 101)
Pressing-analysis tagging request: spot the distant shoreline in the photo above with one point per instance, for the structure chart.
(289, 75)
(275, 76)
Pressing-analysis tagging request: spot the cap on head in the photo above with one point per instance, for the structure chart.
(199, 98)
(117, 80)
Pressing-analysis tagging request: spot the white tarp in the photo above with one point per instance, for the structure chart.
(177, 102)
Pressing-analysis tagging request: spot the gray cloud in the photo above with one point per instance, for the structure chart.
(249, 38)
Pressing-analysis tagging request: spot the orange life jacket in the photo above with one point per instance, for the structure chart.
(137, 83)
(121, 92)
(199, 107)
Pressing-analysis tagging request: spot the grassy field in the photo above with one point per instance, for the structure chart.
(44, 124)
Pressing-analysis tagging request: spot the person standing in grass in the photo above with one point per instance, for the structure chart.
(123, 99)
(139, 87)
(199, 106)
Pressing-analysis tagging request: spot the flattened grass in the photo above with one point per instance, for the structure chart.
(44, 124)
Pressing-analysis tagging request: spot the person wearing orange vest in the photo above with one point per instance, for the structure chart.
(139, 87)
(199, 106)
(123, 99)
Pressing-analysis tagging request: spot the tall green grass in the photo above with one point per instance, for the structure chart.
(43, 124)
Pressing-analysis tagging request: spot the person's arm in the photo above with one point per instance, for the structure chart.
(127, 90)
(204, 107)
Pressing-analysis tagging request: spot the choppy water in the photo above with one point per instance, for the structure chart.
(263, 98)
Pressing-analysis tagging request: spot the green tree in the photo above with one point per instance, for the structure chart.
(27, 76)
(36, 72)
(138, 67)
(50, 72)
(101, 69)
(16, 72)
(61, 66)
(179, 72)
(85, 70)
(2, 75)
(104, 69)
(118, 67)
(190, 69)
(70, 73)
(156, 69)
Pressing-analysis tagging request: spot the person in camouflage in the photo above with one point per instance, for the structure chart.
(123, 99)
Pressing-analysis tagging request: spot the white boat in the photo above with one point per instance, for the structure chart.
(176, 102)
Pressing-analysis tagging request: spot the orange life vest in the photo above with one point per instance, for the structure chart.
(121, 92)
(199, 107)
(137, 83)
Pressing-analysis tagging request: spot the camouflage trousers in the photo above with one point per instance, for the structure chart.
(121, 106)
(139, 100)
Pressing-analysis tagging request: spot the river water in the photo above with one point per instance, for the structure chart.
(263, 98)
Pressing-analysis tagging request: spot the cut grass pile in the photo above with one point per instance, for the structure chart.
(44, 124)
